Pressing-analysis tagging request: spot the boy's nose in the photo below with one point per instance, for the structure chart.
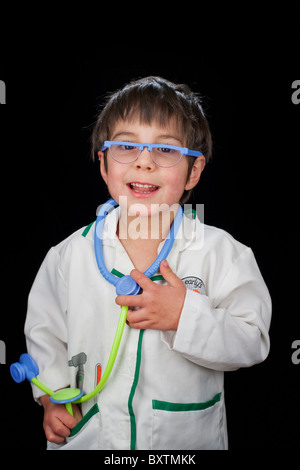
(145, 160)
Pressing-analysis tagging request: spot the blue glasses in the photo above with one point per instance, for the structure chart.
(163, 155)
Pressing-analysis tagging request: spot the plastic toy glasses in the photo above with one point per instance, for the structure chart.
(163, 155)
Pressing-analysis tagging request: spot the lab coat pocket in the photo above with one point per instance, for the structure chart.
(187, 425)
(84, 436)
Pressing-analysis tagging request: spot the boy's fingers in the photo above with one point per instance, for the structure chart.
(77, 413)
(60, 429)
(168, 274)
(56, 431)
(129, 300)
(58, 422)
(70, 421)
(51, 436)
(140, 278)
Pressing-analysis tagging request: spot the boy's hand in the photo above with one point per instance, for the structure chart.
(159, 306)
(57, 420)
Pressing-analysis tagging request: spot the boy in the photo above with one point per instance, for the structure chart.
(209, 314)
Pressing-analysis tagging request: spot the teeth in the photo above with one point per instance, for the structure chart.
(139, 185)
(142, 188)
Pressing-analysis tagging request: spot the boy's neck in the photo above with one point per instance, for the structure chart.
(141, 236)
(153, 228)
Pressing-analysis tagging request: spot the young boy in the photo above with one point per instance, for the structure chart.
(209, 314)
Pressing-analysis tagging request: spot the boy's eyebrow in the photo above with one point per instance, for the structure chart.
(169, 136)
(123, 133)
(133, 136)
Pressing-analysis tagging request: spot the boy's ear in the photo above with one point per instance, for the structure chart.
(102, 166)
(197, 169)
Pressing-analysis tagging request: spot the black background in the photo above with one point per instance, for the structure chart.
(57, 73)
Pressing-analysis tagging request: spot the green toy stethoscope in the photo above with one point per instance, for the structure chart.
(27, 368)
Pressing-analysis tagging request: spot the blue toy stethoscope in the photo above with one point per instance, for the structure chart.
(27, 367)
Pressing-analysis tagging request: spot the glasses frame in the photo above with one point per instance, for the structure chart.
(141, 146)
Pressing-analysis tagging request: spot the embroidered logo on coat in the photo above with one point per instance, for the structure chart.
(194, 283)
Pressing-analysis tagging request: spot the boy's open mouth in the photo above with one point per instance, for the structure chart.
(144, 188)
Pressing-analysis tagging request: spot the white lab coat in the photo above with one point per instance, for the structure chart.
(166, 390)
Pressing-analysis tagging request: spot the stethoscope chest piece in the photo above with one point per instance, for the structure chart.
(66, 395)
(127, 286)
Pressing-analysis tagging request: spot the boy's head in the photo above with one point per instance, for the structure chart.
(156, 100)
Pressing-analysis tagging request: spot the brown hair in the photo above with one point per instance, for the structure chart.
(156, 99)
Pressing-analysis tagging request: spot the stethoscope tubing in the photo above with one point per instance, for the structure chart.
(111, 359)
(104, 210)
(154, 266)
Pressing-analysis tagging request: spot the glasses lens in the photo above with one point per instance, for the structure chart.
(166, 157)
(124, 153)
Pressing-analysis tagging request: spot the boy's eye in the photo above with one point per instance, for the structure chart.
(127, 147)
(165, 150)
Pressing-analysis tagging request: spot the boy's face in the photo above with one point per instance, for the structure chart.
(168, 184)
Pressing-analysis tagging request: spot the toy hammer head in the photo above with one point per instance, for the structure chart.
(78, 360)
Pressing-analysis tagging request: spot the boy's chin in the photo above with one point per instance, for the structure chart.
(151, 210)
(146, 208)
